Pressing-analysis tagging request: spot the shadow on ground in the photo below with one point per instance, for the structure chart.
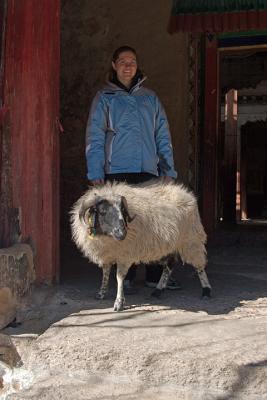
(237, 270)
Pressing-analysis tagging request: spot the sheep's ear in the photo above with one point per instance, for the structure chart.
(90, 220)
(88, 209)
(90, 216)
(87, 216)
(125, 211)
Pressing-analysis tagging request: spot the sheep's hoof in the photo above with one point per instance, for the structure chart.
(206, 292)
(118, 305)
(100, 296)
(156, 293)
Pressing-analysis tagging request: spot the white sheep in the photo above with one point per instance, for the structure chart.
(124, 225)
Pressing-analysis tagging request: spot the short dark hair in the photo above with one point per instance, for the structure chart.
(122, 49)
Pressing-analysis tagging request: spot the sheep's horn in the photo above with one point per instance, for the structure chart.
(125, 210)
(85, 212)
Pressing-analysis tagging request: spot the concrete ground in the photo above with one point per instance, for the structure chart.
(179, 347)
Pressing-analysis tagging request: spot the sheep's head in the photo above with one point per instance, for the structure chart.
(106, 217)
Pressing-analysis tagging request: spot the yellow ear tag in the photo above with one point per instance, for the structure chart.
(91, 227)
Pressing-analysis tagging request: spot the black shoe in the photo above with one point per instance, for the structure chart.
(171, 285)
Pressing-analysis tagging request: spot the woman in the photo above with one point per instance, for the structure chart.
(127, 136)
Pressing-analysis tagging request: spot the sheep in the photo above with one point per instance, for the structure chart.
(125, 224)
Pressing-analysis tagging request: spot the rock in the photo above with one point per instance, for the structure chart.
(8, 352)
(17, 269)
(7, 307)
(4, 371)
(16, 277)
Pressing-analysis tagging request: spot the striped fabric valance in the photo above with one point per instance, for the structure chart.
(217, 15)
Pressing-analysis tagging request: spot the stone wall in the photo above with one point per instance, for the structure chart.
(91, 30)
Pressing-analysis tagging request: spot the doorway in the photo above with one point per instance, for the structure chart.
(242, 137)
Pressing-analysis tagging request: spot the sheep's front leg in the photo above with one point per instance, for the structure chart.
(101, 294)
(206, 288)
(120, 299)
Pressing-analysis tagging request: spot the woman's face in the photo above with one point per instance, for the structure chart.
(125, 67)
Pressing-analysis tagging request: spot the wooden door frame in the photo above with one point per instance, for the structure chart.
(210, 135)
(231, 156)
(211, 128)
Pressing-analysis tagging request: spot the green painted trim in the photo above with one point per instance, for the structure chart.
(242, 33)
(202, 6)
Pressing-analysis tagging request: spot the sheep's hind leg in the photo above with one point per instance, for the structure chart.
(194, 253)
(206, 288)
(101, 294)
(167, 265)
(120, 299)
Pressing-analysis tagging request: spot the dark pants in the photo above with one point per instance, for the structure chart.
(131, 178)
(153, 271)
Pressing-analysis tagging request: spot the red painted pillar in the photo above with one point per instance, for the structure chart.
(209, 192)
(31, 92)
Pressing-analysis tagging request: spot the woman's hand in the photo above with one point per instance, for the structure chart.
(96, 182)
(167, 179)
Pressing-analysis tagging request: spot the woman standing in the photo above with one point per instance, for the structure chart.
(127, 136)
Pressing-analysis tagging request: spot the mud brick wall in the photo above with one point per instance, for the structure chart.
(90, 32)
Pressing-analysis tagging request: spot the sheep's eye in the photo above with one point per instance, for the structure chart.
(102, 212)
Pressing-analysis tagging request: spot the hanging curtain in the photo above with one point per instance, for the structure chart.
(217, 15)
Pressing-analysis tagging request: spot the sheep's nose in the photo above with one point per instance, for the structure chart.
(120, 232)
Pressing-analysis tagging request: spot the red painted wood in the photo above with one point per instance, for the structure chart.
(210, 137)
(253, 20)
(3, 112)
(2, 35)
(262, 18)
(32, 94)
(208, 22)
(230, 158)
(187, 23)
(218, 22)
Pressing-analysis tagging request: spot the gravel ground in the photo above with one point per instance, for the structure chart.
(178, 347)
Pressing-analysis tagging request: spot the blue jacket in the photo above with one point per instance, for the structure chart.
(128, 132)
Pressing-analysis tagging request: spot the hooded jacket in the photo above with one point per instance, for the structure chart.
(128, 132)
